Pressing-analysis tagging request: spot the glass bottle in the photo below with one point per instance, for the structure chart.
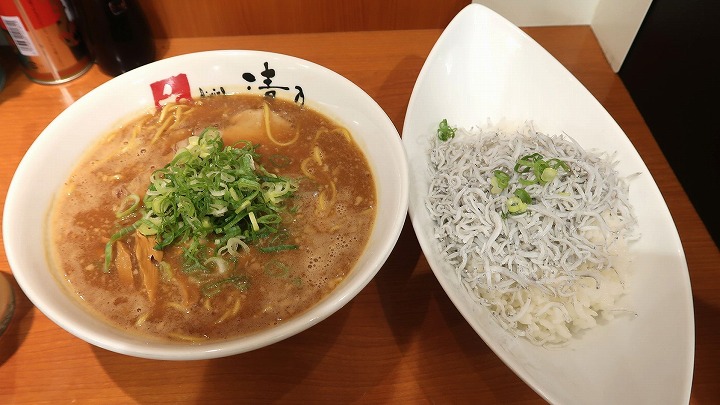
(118, 34)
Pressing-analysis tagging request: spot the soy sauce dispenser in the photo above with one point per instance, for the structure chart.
(117, 32)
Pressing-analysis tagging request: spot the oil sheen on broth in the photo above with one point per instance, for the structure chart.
(326, 223)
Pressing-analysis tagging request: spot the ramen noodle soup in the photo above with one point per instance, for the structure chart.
(213, 219)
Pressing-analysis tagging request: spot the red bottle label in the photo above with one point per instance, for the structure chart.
(40, 13)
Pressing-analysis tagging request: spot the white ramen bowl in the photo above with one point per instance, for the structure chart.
(52, 156)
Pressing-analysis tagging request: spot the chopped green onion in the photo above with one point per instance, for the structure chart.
(277, 269)
(558, 164)
(548, 175)
(253, 221)
(277, 248)
(531, 169)
(523, 195)
(279, 160)
(114, 238)
(499, 181)
(515, 205)
(539, 170)
(132, 202)
(219, 263)
(212, 192)
(211, 188)
(241, 282)
(445, 131)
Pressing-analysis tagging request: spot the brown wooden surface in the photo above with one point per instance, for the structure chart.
(400, 340)
(192, 18)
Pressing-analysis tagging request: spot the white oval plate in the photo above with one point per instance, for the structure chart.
(483, 67)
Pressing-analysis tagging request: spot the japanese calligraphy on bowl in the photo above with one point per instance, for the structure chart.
(178, 87)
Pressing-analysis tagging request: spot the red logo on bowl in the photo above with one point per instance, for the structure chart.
(171, 90)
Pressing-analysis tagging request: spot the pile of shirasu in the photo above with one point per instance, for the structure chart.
(548, 272)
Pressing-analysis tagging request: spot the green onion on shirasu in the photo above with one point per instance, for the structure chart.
(211, 190)
(552, 268)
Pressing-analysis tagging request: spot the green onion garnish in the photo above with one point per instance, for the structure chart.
(128, 205)
(515, 206)
(240, 282)
(277, 248)
(209, 189)
(523, 195)
(114, 238)
(499, 181)
(529, 169)
(538, 170)
(277, 269)
(445, 131)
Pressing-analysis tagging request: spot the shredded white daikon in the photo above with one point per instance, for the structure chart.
(552, 270)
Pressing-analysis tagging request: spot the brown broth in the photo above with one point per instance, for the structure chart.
(330, 236)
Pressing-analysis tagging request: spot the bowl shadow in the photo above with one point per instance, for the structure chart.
(476, 371)
(262, 375)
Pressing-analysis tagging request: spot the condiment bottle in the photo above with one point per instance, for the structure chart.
(45, 39)
(118, 34)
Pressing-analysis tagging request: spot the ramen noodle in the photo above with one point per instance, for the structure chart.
(212, 219)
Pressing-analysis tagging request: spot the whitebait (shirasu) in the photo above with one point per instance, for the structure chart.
(551, 270)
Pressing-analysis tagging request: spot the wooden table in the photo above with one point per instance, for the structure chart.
(400, 340)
